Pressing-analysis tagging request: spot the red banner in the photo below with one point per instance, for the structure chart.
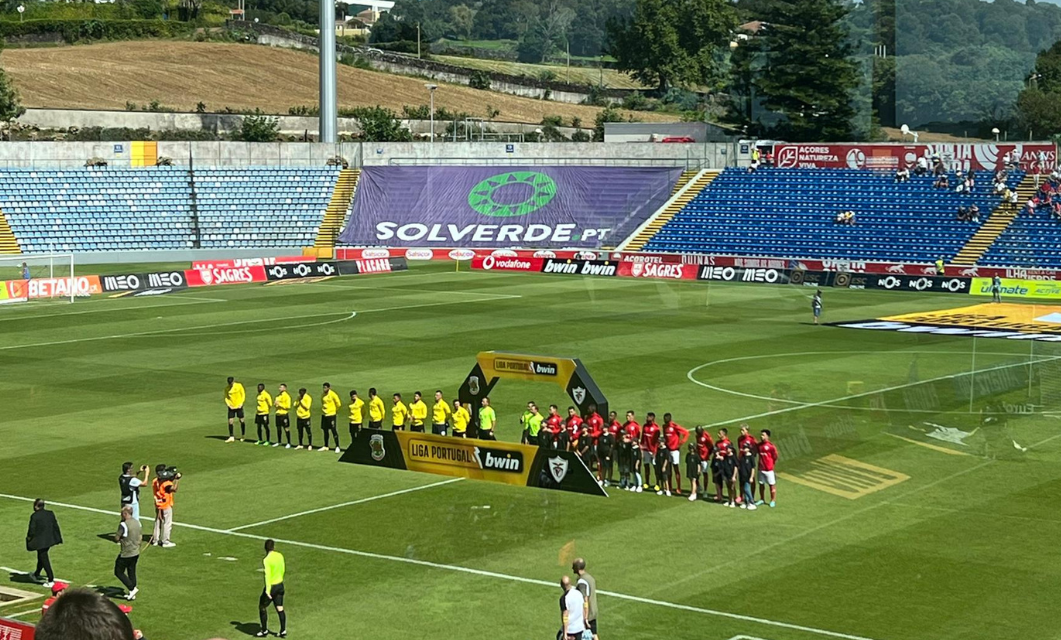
(494, 263)
(663, 270)
(15, 630)
(889, 157)
(418, 254)
(249, 262)
(224, 275)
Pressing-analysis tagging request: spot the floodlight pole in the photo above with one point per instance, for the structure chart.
(327, 116)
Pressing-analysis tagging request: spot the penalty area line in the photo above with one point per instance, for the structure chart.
(477, 572)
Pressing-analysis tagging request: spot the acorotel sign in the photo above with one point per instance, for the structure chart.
(452, 234)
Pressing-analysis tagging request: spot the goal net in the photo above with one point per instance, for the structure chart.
(41, 277)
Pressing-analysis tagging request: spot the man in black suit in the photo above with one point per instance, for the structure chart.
(42, 536)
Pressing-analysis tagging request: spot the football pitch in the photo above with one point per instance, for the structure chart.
(902, 514)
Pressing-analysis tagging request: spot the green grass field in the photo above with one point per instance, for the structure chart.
(881, 531)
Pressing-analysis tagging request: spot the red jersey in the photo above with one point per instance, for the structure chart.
(574, 426)
(674, 436)
(650, 437)
(554, 424)
(724, 444)
(767, 456)
(747, 438)
(614, 428)
(631, 431)
(704, 445)
(595, 424)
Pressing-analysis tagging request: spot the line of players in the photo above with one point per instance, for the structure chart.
(642, 450)
(445, 417)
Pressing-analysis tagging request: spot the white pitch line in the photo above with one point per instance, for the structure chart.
(21, 613)
(481, 573)
(26, 573)
(827, 403)
(345, 504)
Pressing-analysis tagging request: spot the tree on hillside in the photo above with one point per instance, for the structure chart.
(807, 76)
(1039, 104)
(380, 124)
(673, 42)
(10, 104)
(258, 127)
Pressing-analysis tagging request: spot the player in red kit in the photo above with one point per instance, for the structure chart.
(572, 429)
(649, 448)
(767, 460)
(608, 448)
(551, 428)
(745, 437)
(629, 458)
(674, 436)
(704, 446)
(594, 424)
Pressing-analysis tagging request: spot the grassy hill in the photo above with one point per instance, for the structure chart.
(578, 75)
(181, 74)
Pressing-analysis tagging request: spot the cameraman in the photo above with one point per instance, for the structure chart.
(130, 487)
(163, 488)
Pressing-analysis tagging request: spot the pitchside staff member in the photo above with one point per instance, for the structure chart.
(357, 415)
(283, 418)
(43, 534)
(440, 413)
(302, 417)
(129, 537)
(274, 590)
(587, 585)
(235, 396)
(816, 305)
(130, 487)
(264, 402)
(487, 420)
(418, 410)
(376, 410)
(330, 404)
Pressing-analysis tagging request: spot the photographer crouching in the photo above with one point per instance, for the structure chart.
(163, 487)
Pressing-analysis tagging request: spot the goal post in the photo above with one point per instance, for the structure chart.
(38, 277)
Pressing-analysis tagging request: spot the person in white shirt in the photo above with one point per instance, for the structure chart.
(573, 611)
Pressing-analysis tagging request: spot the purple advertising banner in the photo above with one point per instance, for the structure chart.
(509, 207)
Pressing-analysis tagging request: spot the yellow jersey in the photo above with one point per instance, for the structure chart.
(399, 412)
(264, 402)
(440, 411)
(235, 395)
(376, 410)
(356, 413)
(330, 403)
(419, 411)
(461, 418)
(282, 403)
(305, 403)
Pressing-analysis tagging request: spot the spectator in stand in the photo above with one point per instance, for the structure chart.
(938, 169)
(922, 166)
(970, 180)
(754, 166)
(1000, 183)
(1056, 211)
(974, 213)
(959, 188)
(1041, 162)
(1013, 200)
(770, 157)
(941, 182)
(1031, 205)
(963, 214)
(902, 175)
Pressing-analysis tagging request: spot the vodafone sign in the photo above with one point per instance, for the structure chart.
(493, 263)
(224, 275)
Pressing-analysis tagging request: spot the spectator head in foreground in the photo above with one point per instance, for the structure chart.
(80, 614)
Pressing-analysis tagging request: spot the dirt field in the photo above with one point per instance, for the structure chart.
(181, 74)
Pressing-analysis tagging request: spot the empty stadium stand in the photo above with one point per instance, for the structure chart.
(791, 212)
(261, 206)
(85, 210)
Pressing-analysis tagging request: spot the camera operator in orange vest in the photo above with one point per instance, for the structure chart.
(163, 487)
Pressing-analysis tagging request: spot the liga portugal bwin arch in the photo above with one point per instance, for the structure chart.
(567, 373)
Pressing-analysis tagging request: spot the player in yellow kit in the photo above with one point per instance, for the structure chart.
(302, 417)
(376, 410)
(461, 418)
(282, 402)
(330, 404)
(440, 413)
(235, 396)
(399, 413)
(419, 413)
(357, 415)
(261, 414)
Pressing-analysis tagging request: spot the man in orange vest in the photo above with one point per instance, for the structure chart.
(163, 487)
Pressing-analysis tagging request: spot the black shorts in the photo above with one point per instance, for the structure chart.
(235, 413)
(355, 427)
(416, 428)
(283, 420)
(327, 422)
(303, 423)
(375, 424)
(592, 624)
(277, 592)
(439, 429)
(262, 420)
(487, 435)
